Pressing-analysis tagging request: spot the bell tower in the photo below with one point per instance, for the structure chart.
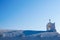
(51, 26)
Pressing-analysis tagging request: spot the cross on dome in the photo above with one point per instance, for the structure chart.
(49, 20)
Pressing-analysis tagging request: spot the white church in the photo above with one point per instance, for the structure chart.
(51, 26)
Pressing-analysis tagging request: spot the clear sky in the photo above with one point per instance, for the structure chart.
(29, 14)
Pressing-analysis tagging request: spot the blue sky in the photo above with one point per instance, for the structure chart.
(29, 14)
